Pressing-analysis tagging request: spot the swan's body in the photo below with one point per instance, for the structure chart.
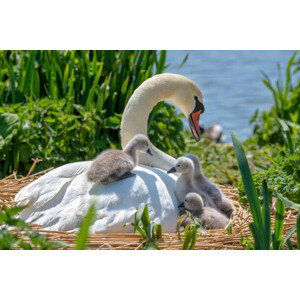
(114, 165)
(205, 185)
(59, 199)
(209, 217)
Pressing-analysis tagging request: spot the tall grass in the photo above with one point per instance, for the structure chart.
(95, 79)
(286, 97)
(65, 106)
(264, 237)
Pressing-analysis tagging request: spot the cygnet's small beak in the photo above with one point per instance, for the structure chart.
(172, 170)
(149, 151)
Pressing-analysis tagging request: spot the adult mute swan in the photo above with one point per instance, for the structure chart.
(59, 199)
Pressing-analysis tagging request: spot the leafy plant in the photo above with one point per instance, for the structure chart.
(286, 96)
(283, 174)
(295, 228)
(82, 236)
(65, 106)
(261, 225)
(16, 234)
(190, 234)
(149, 231)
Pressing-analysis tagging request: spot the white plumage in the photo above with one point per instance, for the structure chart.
(59, 199)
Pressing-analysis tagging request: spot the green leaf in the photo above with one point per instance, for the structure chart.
(267, 215)
(145, 218)
(287, 202)
(278, 226)
(249, 186)
(256, 236)
(137, 217)
(92, 92)
(9, 124)
(298, 231)
(287, 136)
(82, 237)
(158, 229)
(184, 61)
(289, 235)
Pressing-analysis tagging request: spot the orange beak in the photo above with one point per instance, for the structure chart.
(194, 124)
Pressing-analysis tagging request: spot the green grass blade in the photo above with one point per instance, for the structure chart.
(92, 92)
(298, 231)
(287, 202)
(286, 136)
(248, 183)
(266, 215)
(187, 240)
(28, 72)
(161, 63)
(184, 61)
(289, 235)
(256, 237)
(82, 237)
(145, 218)
(278, 226)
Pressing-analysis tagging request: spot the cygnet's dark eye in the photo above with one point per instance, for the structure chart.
(178, 166)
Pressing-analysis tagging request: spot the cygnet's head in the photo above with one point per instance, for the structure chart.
(193, 202)
(194, 158)
(141, 143)
(183, 165)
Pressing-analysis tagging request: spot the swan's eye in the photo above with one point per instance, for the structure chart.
(178, 166)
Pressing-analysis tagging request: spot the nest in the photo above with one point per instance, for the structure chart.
(212, 240)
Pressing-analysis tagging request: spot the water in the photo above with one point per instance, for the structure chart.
(231, 84)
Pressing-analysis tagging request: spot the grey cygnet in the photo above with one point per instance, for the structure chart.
(113, 165)
(185, 183)
(209, 217)
(205, 185)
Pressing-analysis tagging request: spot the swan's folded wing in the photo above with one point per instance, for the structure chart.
(50, 186)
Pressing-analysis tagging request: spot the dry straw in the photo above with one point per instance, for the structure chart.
(212, 240)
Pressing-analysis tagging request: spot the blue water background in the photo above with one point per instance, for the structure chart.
(231, 83)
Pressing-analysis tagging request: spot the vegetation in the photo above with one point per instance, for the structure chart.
(22, 237)
(190, 233)
(260, 228)
(82, 237)
(286, 96)
(65, 106)
(283, 175)
(149, 231)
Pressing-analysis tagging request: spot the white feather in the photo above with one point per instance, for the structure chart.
(59, 199)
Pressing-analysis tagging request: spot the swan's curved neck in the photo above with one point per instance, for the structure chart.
(135, 119)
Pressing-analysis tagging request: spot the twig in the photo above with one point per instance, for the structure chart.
(35, 161)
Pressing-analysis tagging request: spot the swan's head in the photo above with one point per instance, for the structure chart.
(187, 96)
(193, 202)
(183, 166)
(141, 143)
